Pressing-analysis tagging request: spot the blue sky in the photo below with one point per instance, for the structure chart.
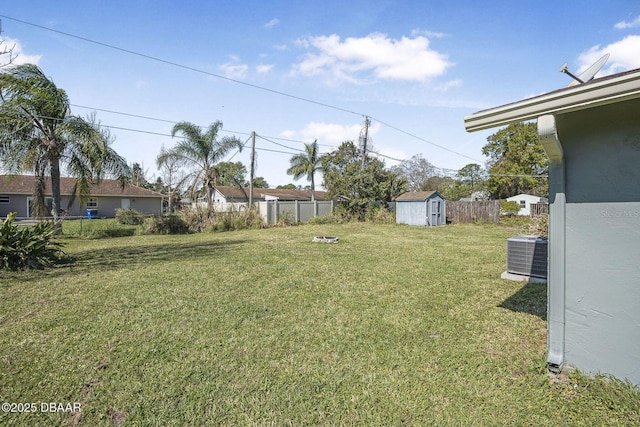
(417, 68)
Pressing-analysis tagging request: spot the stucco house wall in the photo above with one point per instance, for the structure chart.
(591, 134)
(107, 197)
(602, 246)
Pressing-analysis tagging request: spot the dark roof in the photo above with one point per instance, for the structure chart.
(261, 193)
(24, 184)
(416, 196)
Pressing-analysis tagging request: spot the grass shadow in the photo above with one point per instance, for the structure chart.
(531, 299)
(127, 256)
(132, 256)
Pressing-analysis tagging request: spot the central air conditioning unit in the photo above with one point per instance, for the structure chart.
(527, 256)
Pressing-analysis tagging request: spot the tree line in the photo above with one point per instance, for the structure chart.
(40, 135)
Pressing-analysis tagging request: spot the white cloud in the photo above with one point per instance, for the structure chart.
(269, 25)
(289, 134)
(334, 134)
(624, 56)
(233, 70)
(448, 85)
(426, 33)
(264, 68)
(280, 47)
(407, 59)
(17, 54)
(627, 24)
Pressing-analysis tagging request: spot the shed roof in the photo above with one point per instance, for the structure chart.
(416, 196)
(606, 90)
(25, 184)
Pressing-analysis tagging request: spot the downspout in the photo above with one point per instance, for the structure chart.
(548, 134)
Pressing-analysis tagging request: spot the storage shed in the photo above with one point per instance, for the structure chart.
(591, 134)
(421, 208)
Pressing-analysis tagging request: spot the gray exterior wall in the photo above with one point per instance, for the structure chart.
(602, 279)
(107, 205)
(17, 203)
(411, 212)
(423, 213)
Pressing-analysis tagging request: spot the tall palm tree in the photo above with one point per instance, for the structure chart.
(39, 134)
(201, 151)
(306, 164)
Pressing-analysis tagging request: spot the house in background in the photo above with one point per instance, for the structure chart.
(525, 201)
(226, 194)
(421, 208)
(16, 193)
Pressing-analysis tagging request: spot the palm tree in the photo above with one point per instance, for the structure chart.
(306, 164)
(39, 134)
(202, 152)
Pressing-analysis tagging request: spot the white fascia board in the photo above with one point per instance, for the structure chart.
(596, 93)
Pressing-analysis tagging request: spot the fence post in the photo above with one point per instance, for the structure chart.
(296, 207)
(275, 214)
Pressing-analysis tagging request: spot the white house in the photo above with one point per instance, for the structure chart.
(525, 201)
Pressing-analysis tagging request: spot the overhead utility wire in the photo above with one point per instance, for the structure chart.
(208, 73)
(149, 118)
(274, 151)
(281, 145)
(424, 140)
(175, 64)
(122, 113)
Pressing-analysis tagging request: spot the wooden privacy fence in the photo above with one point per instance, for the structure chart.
(469, 212)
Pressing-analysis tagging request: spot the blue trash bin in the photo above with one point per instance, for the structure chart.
(92, 213)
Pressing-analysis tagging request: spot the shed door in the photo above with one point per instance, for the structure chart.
(435, 212)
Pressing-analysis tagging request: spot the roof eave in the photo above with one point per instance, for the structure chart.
(618, 88)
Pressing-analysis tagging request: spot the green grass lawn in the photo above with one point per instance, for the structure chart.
(394, 325)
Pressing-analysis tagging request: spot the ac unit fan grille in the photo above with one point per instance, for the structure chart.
(527, 255)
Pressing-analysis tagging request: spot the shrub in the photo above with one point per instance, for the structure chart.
(509, 208)
(380, 215)
(27, 247)
(166, 224)
(229, 221)
(538, 226)
(129, 217)
(197, 220)
(286, 219)
(249, 219)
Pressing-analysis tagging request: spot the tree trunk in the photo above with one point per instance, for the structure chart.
(209, 186)
(54, 162)
(313, 187)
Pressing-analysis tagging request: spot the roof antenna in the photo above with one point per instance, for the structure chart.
(588, 74)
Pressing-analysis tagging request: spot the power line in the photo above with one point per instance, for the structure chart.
(277, 143)
(208, 73)
(275, 151)
(423, 140)
(150, 118)
(175, 64)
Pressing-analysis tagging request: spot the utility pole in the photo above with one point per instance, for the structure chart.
(364, 141)
(253, 165)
